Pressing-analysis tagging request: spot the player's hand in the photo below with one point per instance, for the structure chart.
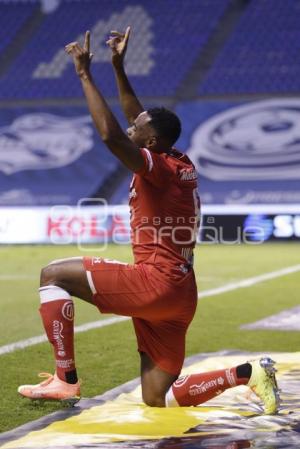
(118, 44)
(81, 56)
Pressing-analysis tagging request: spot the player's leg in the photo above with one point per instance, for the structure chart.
(69, 275)
(113, 287)
(195, 389)
(60, 280)
(161, 343)
(160, 388)
(259, 375)
(155, 382)
(161, 346)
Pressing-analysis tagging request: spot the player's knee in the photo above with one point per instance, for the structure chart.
(154, 400)
(50, 274)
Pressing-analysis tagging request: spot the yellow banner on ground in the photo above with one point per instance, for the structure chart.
(234, 414)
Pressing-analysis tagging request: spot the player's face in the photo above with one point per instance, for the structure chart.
(140, 132)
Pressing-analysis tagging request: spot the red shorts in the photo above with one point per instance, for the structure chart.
(161, 310)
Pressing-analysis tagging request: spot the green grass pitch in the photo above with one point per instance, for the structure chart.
(107, 357)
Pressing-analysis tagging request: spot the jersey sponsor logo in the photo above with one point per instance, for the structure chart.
(189, 174)
(42, 141)
(257, 141)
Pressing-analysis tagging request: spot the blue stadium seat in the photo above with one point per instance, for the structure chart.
(262, 54)
(167, 37)
(12, 17)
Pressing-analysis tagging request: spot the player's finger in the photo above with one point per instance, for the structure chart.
(71, 45)
(69, 49)
(73, 48)
(87, 40)
(127, 34)
(112, 42)
(76, 46)
(117, 33)
(113, 39)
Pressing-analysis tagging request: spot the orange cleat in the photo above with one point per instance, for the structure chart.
(52, 389)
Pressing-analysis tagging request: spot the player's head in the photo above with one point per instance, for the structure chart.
(156, 129)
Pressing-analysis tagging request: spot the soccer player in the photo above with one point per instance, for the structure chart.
(159, 290)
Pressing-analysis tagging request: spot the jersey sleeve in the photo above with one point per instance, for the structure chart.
(155, 169)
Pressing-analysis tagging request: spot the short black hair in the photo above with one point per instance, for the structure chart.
(165, 123)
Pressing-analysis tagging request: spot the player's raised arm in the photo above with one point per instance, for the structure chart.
(130, 104)
(107, 125)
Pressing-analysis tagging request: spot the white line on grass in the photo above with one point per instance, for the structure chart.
(17, 277)
(42, 338)
(249, 282)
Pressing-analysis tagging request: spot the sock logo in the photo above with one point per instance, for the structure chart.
(220, 380)
(203, 387)
(69, 363)
(58, 337)
(68, 311)
(180, 381)
(230, 378)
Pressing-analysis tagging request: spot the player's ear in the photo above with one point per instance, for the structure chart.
(151, 142)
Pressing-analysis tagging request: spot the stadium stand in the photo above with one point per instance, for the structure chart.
(12, 18)
(160, 56)
(179, 51)
(262, 54)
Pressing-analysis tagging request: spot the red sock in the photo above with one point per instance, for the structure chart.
(57, 312)
(198, 388)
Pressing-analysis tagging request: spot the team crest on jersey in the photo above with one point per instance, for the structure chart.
(132, 193)
(42, 141)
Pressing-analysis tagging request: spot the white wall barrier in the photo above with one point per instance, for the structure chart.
(64, 225)
(102, 224)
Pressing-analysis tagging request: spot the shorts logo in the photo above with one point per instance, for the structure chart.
(96, 260)
(68, 311)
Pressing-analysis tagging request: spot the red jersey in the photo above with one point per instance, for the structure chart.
(165, 211)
